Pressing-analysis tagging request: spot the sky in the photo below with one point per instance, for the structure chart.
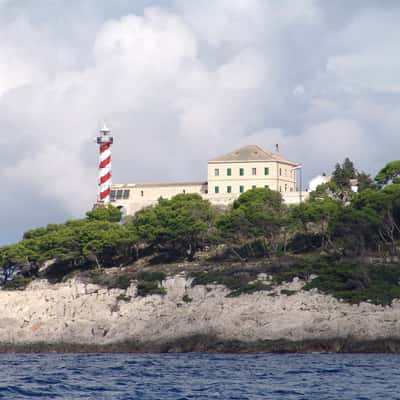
(183, 81)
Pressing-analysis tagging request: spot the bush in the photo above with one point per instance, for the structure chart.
(151, 276)
(122, 282)
(124, 297)
(18, 282)
(288, 292)
(149, 283)
(186, 298)
(239, 281)
(250, 288)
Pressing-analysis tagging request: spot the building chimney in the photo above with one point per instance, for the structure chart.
(277, 148)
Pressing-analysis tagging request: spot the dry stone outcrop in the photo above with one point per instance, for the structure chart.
(77, 315)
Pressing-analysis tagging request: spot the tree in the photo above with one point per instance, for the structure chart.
(316, 218)
(75, 244)
(349, 171)
(179, 226)
(256, 214)
(365, 182)
(354, 230)
(340, 186)
(390, 173)
(109, 213)
(384, 205)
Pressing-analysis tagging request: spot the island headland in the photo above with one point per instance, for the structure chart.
(185, 275)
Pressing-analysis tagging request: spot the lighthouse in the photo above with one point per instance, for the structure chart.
(104, 140)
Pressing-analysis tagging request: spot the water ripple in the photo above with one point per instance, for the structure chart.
(199, 376)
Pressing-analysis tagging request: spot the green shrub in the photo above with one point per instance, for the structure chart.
(149, 282)
(186, 298)
(249, 289)
(18, 282)
(354, 283)
(122, 282)
(288, 292)
(237, 280)
(149, 276)
(124, 297)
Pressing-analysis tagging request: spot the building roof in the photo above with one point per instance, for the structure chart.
(251, 153)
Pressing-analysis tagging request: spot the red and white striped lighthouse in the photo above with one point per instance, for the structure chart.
(104, 140)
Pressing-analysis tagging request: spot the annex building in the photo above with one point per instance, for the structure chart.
(227, 177)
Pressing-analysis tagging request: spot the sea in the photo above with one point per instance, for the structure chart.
(200, 376)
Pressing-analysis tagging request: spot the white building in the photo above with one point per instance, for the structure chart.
(228, 176)
(318, 180)
(321, 179)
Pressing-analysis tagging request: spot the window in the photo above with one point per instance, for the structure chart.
(280, 188)
(142, 193)
(285, 172)
(254, 171)
(119, 194)
(184, 191)
(254, 186)
(125, 195)
(280, 171)
(285, 187)
(266, 186)
(228, 171)
(241, 188)
(216, 172)
(241, 171)
(112, 195)
(229, 189)
(216, 189)
(266, 171)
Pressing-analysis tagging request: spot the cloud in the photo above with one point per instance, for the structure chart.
(181, 82)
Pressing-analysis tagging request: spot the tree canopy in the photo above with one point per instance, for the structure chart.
(390, 173)
(179, 226)
(258, 223)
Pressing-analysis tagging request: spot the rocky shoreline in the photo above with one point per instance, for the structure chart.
(80, 317)
(209, 344)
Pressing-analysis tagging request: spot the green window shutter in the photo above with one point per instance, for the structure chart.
(229, 172)
(266, 171)
(229, 189)
(241, 188)
(241, 171)
(216, 189)
(254, 186)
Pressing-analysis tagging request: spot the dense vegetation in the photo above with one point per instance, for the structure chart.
(349, 229)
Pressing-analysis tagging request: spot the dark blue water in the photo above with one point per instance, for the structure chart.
(199, 376)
